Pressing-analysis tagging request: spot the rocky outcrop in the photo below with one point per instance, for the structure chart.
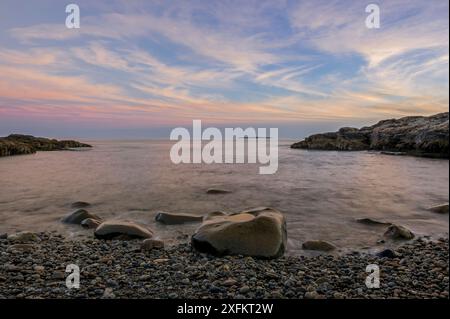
(412, 135)
(175, 219)
(258, 233)
(117, 229)
(16, 144)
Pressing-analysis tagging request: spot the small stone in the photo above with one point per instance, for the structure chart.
(311, 295)
(149, 244)
(244, 289)
(108, 293)
(230, 282)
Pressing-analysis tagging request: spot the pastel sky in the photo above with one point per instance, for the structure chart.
(140, 68)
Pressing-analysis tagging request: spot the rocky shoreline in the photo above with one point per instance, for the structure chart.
(17, 144)
(412, 135)
(124, 269)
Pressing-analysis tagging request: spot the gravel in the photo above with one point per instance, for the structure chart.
(120, 269)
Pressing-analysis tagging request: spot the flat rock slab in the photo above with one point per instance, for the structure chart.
(175, 219)
(117, 229)
(258, 233)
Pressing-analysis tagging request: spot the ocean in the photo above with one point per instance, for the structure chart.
(321, 193)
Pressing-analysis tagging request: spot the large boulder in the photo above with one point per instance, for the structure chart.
(258, 233)
(174, 219)
(77, 216)
(122, 230)
(413, 135)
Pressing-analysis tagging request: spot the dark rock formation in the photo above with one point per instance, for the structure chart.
(16, 144)
(412, 135)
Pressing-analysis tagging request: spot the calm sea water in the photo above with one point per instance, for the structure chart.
(321, 193)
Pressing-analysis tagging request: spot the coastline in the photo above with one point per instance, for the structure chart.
(121, 269)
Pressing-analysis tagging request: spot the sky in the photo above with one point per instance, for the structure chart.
(137, 69)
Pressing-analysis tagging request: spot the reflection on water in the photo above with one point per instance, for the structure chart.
(321, 193)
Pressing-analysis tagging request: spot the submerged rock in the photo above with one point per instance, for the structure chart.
(76, 217)
(258, 233)
(80, 205)
(319, 245)
(372, 222)
(121, 230)
(174, 219)
(398, 232)
(412, 135)
(215, 191)
(440, 209)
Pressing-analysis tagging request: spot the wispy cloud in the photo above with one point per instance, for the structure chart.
(227, 61)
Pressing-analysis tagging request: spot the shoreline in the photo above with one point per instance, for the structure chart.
(121, 269)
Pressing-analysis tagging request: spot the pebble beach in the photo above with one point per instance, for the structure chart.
(122, 269)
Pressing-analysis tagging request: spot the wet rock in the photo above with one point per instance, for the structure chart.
(116, 229)
(174, 219)
(76, 217)
(3, 236)
(259, 232)
(440, 209)
(319, 245)
(215, 191)
(80, 204)
(90, 223)
(24, 237)
(398, 232)
(372, 222)
(149, 244)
